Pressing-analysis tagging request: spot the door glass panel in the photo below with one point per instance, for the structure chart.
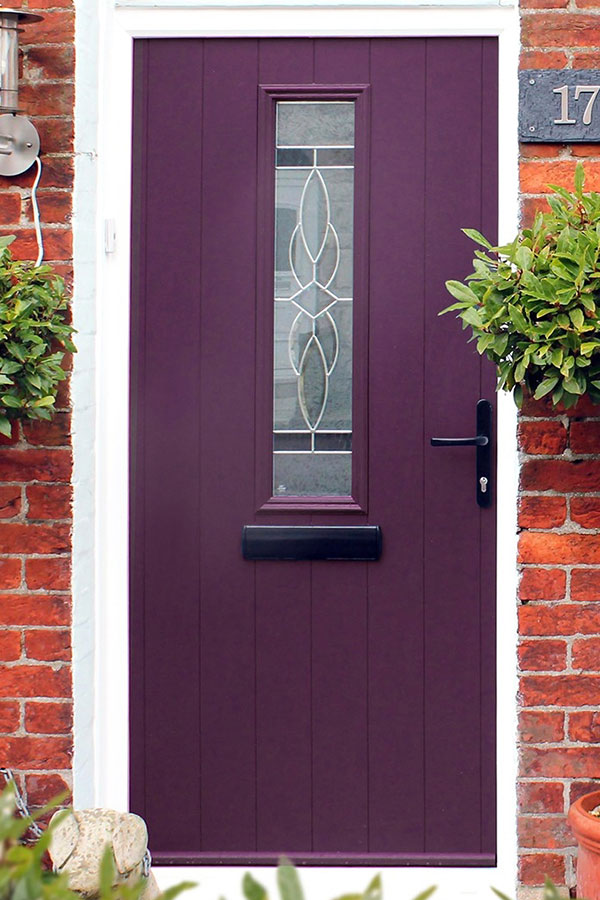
(314, 225)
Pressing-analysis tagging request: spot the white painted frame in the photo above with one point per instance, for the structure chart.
(108, 631)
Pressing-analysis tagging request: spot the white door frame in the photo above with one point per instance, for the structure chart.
(118, 26)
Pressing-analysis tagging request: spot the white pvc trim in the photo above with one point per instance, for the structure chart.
(117, 28)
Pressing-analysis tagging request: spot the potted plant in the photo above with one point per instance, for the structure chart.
(34, 333)
(533, 305)
(584, 819)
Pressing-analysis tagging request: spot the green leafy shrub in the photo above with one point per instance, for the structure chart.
(290, 888)
(33, 328)
(534, 305)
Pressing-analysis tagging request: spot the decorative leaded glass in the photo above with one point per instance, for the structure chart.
(314, 214)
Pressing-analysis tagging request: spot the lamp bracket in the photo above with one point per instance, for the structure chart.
(19, 144)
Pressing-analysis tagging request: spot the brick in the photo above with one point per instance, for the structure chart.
(53, 574)
(44, 788)
(10, 500)
(34, 609)
(537, 175)
(561, 475)
(10, 645)
(57, 173)
(37, 753)
(10, 208)
(47, 99)
(586, 60)
(542, 512)
(529, 207)
(540, 151)
(566, 618)
(543, 59)
(557, 29)
(35, 681)
(543, 584)
(56, 28)
(535, 867)
(584, 437)
(543, 4)
(10, 573)
(15, 435)
(54, 433)
(56, 207)
(585, 150)
(585, 585)
(48, 645)
(578, 789)
(586, 511)
(48, 718)
(560, 690)
(587, 4)
(544, 407)
(57, 244)
(586, 654)
(584, 726)
(537, 547)
(56, 136)
(49, 501)
(541, 797)
(541, 727)
(49, 63)
(560, 762)
(545, 832)
(35, 465)
(542, 656)
(17, 538)
(10, 715)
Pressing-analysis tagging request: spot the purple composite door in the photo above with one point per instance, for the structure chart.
(334, 710)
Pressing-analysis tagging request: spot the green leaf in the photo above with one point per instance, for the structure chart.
(579, 178)
(524, 257)
(577, 318)
(472, 317)
(374, 889)
(518, 318)
(252, 890)
(427, 893)
(5, 426)
(11, 402)
(288, 881)
(477, 237)
(545, 387)
(462, 292)
(572, 386)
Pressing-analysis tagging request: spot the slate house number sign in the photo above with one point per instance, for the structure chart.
(559, 105)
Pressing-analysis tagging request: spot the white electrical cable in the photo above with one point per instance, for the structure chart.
(36, 213)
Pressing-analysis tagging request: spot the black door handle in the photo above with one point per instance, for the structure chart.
(483, 442)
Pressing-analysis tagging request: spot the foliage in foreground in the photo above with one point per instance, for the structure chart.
(290, 888)
(33, 306)
(24, 872)
(534, 305)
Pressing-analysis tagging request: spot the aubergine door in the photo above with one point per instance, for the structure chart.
(322, 688)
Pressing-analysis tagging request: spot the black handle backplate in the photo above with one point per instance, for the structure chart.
(483, 442)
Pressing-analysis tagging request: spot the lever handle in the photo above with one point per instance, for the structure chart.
(481, 440)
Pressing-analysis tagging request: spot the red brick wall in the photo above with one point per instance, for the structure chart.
(559, 518)
(35, 466)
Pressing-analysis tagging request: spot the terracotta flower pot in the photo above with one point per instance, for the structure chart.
(587, 831)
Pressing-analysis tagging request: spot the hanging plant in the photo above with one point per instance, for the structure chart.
(533, 306)
(34, 334)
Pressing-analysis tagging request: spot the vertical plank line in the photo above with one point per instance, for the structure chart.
(367, 343)
(200, 455)
(482, 83)
(424, 438)
(257, 308)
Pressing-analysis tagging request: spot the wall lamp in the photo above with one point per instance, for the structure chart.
(19, 140)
